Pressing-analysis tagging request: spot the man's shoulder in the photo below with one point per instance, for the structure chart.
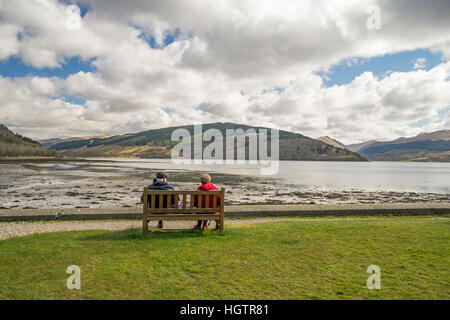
(160, 187)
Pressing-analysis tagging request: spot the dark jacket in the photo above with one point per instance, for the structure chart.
(207, 187)
(157, 185)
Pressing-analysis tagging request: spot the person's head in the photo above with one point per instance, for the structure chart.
(161, 177)
(205, 178)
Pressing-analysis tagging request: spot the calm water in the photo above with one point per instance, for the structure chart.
(331, 176)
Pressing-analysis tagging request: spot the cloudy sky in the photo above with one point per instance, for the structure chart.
(355, 70)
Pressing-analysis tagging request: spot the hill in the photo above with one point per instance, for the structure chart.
(332, 142)
(434, 146)
(157, 144)
(14, 145)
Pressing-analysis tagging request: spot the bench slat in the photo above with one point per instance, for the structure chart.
(153, 197)
(177, 201)
(199, 201)
(161, 201)
(169, 201)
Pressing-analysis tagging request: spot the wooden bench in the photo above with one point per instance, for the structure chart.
(172, 212)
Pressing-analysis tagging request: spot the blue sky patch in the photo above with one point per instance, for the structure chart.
(15, 68)
(421, 123)
(74, 99)
(170, 36)
(346, 71)
(169, 110)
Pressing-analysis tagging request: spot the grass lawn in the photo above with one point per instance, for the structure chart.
(280, 260)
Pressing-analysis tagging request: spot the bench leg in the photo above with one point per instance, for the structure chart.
(144, 226)
(221, 223)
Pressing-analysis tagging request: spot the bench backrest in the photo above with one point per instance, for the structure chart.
(167, 201)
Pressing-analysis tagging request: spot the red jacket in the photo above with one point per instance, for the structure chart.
(207, 187)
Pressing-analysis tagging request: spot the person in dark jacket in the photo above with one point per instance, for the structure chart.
(206, 186)
(160, 183)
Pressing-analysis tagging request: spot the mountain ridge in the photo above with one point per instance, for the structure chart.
(157, 143)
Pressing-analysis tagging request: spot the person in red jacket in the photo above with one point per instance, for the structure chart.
(206, 186)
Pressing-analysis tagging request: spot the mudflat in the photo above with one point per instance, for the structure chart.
(91, 184)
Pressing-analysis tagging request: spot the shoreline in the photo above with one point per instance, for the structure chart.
(115, 158)
(12, 160)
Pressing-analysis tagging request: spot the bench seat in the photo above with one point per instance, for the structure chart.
(180, 216)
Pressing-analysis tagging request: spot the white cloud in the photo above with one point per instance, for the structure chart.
(8, 41)
(225, 65)
(420, 63)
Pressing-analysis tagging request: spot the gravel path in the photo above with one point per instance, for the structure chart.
(18, 229)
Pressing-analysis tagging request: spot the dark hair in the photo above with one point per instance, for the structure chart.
(161, 175)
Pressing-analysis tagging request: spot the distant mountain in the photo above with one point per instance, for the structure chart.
(14, 145)
(332, 142)
(51, 142)
(157, 144)
(434, 146)
(358, 146)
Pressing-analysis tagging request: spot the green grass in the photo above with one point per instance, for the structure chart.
(282, 260)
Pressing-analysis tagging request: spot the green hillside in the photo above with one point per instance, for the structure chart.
(14, 145)
(157, 144)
